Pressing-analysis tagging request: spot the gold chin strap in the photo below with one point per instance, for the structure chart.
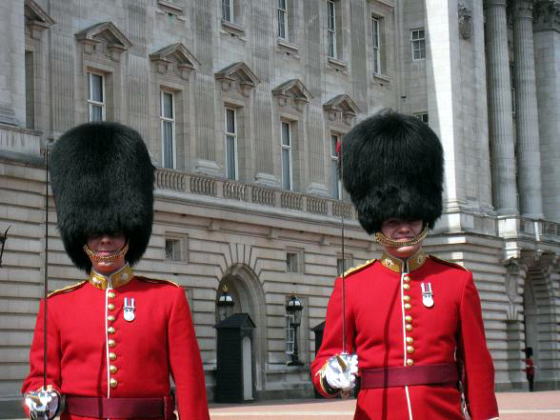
(105, 258)
(391, 243)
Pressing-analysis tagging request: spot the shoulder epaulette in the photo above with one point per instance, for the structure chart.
(157, 281)
(449, 263)
(359, 267)
(67, 289)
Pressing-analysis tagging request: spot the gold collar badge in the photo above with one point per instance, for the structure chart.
(397, 265)
(115, 280)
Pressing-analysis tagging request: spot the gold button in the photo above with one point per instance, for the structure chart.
(112, 356)
(406, 277)
(409, 349)
(111, 330)
(409, 362)
(111, 306)
(406, 298)
(111, 318)
(111, 343)
(111, 294)
(113, 382)
(408, 327)
(408, 318)
(113, 369)
(409, 340)
(407, 306)
(406, 286)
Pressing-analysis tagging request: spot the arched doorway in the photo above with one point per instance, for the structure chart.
(541, 316)
(244, 286)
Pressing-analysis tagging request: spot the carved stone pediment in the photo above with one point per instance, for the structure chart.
(36, 19)
(341, 108)
(238, 75)
(104, 34)
(293, 91)
(175, 57)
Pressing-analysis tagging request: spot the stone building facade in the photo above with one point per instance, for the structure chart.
(240, 103)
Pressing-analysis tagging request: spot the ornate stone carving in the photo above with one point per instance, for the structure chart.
(516, 272)
(546, 16)
(175, 57)
(465, 21)
(341, 108)
(36, 19)
(106, 35)
(240, 75)
(293, 91)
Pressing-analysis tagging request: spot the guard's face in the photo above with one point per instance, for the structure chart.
(402, 230)
(106, 245)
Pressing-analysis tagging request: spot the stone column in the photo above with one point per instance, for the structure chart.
(527, 120)
(500, 108)
(547, 62)
(12, 63)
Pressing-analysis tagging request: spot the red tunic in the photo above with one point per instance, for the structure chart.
(94, 351)
(384, 316)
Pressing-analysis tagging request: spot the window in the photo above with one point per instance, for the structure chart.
(287, 170)
(292, 262)
(336, 184)
(331, 29)
(376, 42)
(228, 11)
(283, 19)
(231, 144)
(290, 334)
(343, 264)
(29, 90)
(422, 116)
(96, 96)
(418, 43)
(167, 118)
(173, 250)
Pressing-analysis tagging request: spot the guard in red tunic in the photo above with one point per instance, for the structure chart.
(413, 327)
(115, 339)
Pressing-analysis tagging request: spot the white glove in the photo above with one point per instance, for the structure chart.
(341, 370)
(44, 404)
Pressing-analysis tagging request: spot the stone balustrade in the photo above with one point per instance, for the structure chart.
(227, 189)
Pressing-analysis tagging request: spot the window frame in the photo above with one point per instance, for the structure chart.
(420, 42)
(289, 148)
(234, 135)
(334, 139)
(163, 120)
(230, 7)
(284, 12)
(92, 103)
(376, 22)
(290, 335)
(332, 35)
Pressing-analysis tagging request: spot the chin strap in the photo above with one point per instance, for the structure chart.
(391, 243)
(105, 258)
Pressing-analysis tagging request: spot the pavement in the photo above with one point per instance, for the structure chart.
(543, 405)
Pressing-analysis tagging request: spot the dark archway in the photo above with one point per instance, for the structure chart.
(244, 286)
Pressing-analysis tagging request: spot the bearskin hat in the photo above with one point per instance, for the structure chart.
(392, 166)
(102, 179)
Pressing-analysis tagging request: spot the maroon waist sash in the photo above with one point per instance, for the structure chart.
(146, 407)
(443, 373)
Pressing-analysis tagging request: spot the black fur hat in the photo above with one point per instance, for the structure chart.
(102, 179)
(393, 167)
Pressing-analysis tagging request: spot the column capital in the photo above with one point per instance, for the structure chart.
(547, 15)
(495, 3)
(522, 9)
